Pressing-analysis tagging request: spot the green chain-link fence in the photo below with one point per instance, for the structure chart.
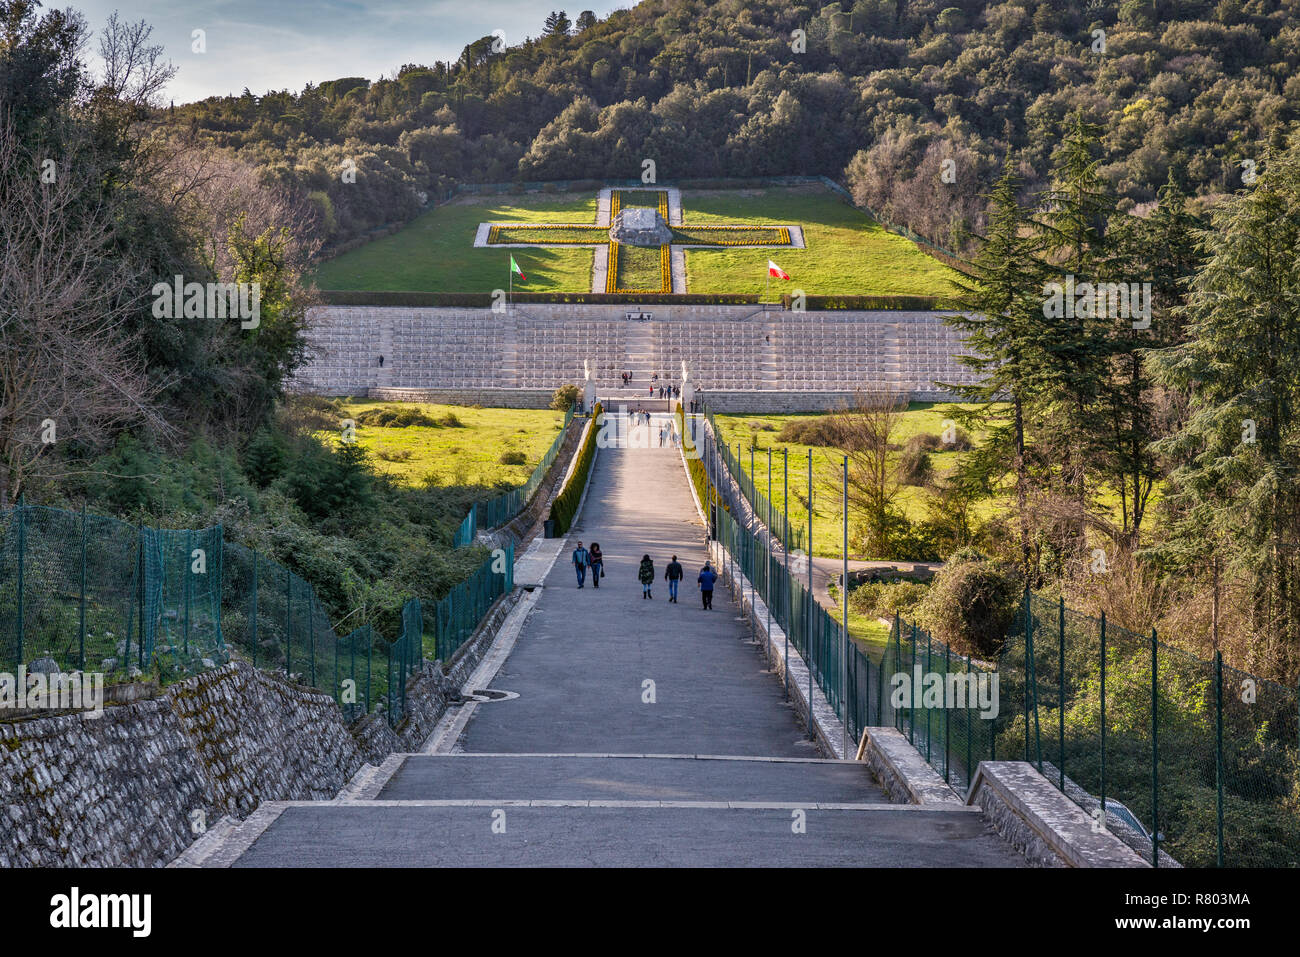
(1202, 756)
(495, 512)
(87, 592)
(455, 618)
(757, 499)
(81, 592)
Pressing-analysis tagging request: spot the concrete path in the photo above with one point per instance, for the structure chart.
(623, 731)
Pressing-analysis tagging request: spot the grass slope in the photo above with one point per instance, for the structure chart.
(466, 455)
(436, 253)
(847, 252)
(762, 430)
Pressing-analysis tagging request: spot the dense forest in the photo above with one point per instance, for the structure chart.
(877, 94)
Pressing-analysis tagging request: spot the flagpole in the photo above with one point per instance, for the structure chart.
(510, 282)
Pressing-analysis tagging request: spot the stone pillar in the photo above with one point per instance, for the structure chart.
(588, 387)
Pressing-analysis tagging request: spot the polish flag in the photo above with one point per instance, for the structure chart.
(776, 271)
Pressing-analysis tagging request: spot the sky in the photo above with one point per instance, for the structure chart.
(277, 44)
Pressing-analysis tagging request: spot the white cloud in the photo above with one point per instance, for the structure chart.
(277, 44)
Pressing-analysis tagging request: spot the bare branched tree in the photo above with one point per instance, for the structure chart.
(69, 371)
(135, 72)
(864, 431)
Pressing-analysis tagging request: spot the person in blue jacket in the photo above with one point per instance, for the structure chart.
(580, 558)
(707, 577)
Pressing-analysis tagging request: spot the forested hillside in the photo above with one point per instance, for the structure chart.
(881, 93)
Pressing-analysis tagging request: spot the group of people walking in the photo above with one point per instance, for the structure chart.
(592, 559)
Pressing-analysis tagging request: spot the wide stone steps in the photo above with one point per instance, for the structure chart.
(493, 809)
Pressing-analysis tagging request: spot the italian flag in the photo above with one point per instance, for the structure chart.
(514, 268)
(775, 271)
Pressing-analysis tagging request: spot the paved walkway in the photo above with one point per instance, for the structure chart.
(576, 762)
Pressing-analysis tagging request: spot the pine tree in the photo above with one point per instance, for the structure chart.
(1134, 411)
(1071, 237)
(1001, 318)
(1234, 499)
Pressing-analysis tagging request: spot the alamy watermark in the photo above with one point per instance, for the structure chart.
(53, 691)
(976, 690)
(1102, 300)
(212, 300)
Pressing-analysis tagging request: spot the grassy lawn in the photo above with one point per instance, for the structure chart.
(591, 235)
(701, 235)
(641, 267)
(869, 632)
(762, 431)
(465, 455)
(847, 253)
(436, 253)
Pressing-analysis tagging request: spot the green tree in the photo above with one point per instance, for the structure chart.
(1234, 497)
(1000, 314)
(1071, 238)
(1135, 411)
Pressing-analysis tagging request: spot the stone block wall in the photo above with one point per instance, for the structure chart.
(125, 789)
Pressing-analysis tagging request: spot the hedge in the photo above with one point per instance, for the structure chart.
(483, 300)
(565, 505)
(695, 467)
(913, 303)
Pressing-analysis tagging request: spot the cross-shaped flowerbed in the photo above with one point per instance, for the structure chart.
(624, 268)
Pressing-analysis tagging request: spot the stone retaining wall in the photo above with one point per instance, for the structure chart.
(488, 398)
(136, 786)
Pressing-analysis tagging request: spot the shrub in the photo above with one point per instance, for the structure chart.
(513, 458)
(971, 606)
(565, 505)
(264, 458)
(396, 417)
(811, 430)
(565, 396)
(915, 467)
(451, 421)
(884, 599)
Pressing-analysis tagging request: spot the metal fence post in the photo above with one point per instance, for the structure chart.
(288, 622)
(81, 627)
(898, 661)
(911, 706)
(1218, 756)
(311, 641)
(1028, 666)
(252, 625)
(808, 640)
(929, 669)
(1155, 760)
(189, 574)
(947, 714)
(1060, 709)
(1103, 718)
(968, 711)
(785, 527)
(844, 647)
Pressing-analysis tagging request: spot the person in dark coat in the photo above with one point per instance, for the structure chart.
(707, 577)
(646, 575)
(580, 563)
(673, 573)
(596, 562)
